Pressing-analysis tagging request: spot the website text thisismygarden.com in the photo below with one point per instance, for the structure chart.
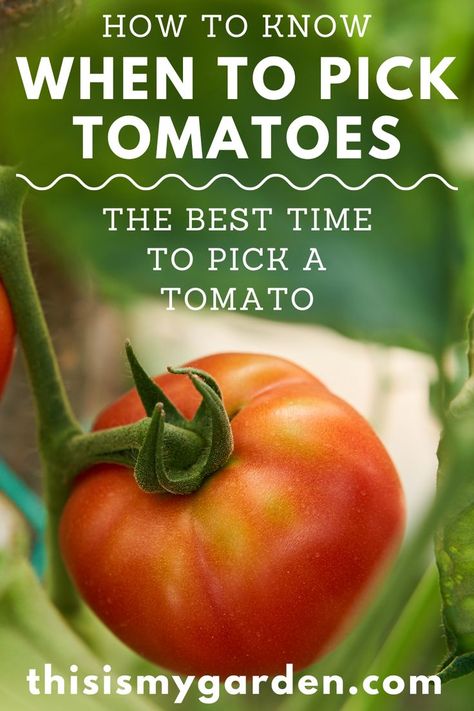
(210, 688)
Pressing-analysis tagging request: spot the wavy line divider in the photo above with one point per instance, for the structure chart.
(228, 176)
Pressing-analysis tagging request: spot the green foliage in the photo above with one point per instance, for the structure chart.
(455, 538)
(405, 283)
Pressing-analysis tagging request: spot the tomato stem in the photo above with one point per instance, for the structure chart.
(168, 452)
(121, 445)
(54, 412)
(55, 420)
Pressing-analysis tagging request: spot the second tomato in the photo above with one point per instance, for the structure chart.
(7, 337)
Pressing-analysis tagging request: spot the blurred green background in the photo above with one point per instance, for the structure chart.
(390, 309)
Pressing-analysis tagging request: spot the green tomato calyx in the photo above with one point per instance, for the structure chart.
(177, 454)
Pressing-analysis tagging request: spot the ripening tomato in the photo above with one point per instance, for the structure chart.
(269, 561)
(7, 337)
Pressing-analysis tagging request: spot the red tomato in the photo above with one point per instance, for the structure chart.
(268, 562)
(7, 337)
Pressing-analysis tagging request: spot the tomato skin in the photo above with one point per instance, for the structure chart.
(268, 562)
(7, 337)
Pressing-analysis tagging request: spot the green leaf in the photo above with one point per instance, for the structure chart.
(32, 634)
(455, 537)
(459, 666)
(455, 556)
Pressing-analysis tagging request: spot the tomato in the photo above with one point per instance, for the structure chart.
(7, 337)
(270, 560)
